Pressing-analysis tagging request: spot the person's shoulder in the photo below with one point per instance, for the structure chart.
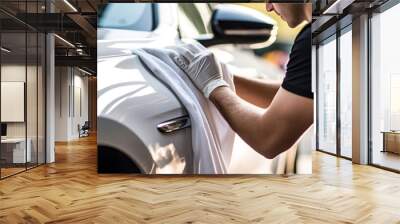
(305, 33)
(303, 39)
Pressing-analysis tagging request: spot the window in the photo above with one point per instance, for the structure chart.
(346, 93)
(138, 16)
(385, 89)
(334, 106)
(22, 101)
(327, 96)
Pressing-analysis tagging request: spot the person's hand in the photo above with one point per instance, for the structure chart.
(201, 66)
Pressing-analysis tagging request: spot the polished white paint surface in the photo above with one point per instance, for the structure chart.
(131, 103)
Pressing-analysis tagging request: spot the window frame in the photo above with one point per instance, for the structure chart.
(340, 29)
(332, 37)
(25, 30)
(378, 10)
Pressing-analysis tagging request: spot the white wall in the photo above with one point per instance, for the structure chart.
(80, 84)
(16, 73)
(70, 83)
(62, 81)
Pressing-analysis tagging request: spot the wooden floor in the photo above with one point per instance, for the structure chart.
(10, 171)
(70, 191)
(388, 159)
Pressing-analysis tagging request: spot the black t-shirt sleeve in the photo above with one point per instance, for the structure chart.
(298, 73)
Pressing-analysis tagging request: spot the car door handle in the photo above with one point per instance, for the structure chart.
(174, 125)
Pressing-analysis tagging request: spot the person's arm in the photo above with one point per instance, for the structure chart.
(268, 131)
(257, 92)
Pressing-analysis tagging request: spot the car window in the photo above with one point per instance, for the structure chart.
(194, 19)
(138, 16)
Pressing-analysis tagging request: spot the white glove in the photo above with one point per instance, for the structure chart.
(201, 66)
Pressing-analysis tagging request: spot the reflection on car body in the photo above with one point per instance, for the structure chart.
(132, 102)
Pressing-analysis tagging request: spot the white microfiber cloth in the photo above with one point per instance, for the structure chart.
(212, 137)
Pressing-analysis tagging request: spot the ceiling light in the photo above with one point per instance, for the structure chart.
(70, 5)
(80, 51)
(5, 50)
(84, 71)
(64, 40)
(337, 7)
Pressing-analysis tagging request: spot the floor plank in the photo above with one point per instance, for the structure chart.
(70, 191)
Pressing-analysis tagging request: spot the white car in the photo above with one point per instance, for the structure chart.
(139, 115)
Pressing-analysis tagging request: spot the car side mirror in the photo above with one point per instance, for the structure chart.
(234, 24)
